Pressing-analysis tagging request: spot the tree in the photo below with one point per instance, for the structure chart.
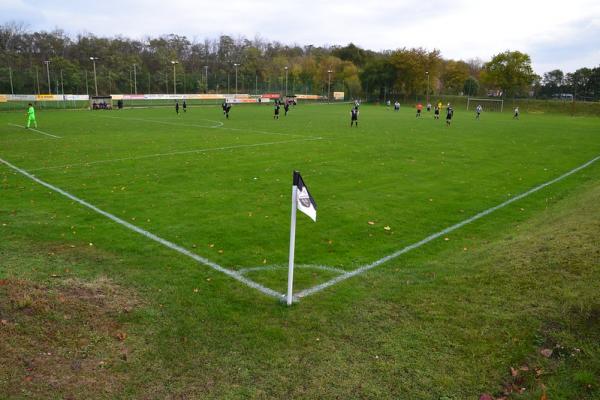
(509, 72)
(471, 86)
(411, 67)
(454, 75)
(552, 83)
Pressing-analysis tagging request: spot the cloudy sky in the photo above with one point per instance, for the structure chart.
(557, 34)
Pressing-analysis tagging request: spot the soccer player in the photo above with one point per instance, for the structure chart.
(449, 114)
(428, 107)
(440, 105)
(387, 103)
(354, 117)
(177, 107)
(227, 109)
(478, 110)
(31, 116)
(184, 106)
(419, 109)
(224, 106)
(276, 110)
(436, 112)
(516, 116)
(286, 107)
(397, 106)
(356, 104)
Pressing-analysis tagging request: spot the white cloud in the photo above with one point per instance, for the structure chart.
(461, 29)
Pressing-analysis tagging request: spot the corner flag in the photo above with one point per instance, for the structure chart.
(302, 200)
(306, 203)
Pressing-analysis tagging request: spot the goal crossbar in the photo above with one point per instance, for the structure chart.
(496, 102)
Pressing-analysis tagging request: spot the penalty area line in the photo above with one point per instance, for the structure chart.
(365, 268)
(36, 130)
(174, 153)
(233, 274)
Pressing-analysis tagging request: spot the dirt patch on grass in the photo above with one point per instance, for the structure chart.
(64, 340)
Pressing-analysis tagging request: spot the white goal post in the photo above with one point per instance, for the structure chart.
(486, 104)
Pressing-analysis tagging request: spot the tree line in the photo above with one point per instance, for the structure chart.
(43, 62)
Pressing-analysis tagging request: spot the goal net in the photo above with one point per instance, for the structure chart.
(486, 104)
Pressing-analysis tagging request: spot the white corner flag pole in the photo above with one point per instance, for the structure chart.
(292, 244)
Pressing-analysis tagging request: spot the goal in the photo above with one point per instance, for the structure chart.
(486, 104)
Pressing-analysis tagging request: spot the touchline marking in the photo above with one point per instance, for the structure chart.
(233, 274)
(241, 146)
(365, 268)
(36, 130)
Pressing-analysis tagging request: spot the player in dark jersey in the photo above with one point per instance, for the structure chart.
(184, 106)
(224, 106)
(449, 114)
(354, 117)
(286, 107)
(227, 109)
(436, 112)
(177, 107)
(276, 110)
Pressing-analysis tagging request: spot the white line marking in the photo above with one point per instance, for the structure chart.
(233, 274)
(36, 130)
(241, 146)
(301, 266)
(219, 124)
(365, 268)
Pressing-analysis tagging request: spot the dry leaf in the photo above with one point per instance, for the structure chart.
(371, 223)
(121, 336)
(546, 352)
(387, 228)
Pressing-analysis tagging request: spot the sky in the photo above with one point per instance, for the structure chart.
(556, 34)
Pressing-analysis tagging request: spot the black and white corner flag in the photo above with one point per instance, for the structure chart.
(305, 201)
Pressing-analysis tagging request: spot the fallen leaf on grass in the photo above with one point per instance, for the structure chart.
(121, 336)
(371, 223)
(546, 352)
(387, 228)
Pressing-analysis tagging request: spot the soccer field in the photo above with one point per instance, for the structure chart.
(221, 188)
(196, 207)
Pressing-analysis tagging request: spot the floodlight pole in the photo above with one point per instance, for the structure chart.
(37, 79)
(135, 78)
(286, 80)
(93, 59)
(427, 73)
(87, 89)
(206, 78)
(48, 74)
(12, 90)
(235, 65)
(174, 76)
(328, 83)
(62, 83)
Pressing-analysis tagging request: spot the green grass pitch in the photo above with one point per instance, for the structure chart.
(221, 189)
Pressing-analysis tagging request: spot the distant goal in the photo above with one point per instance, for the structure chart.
(486, 104)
